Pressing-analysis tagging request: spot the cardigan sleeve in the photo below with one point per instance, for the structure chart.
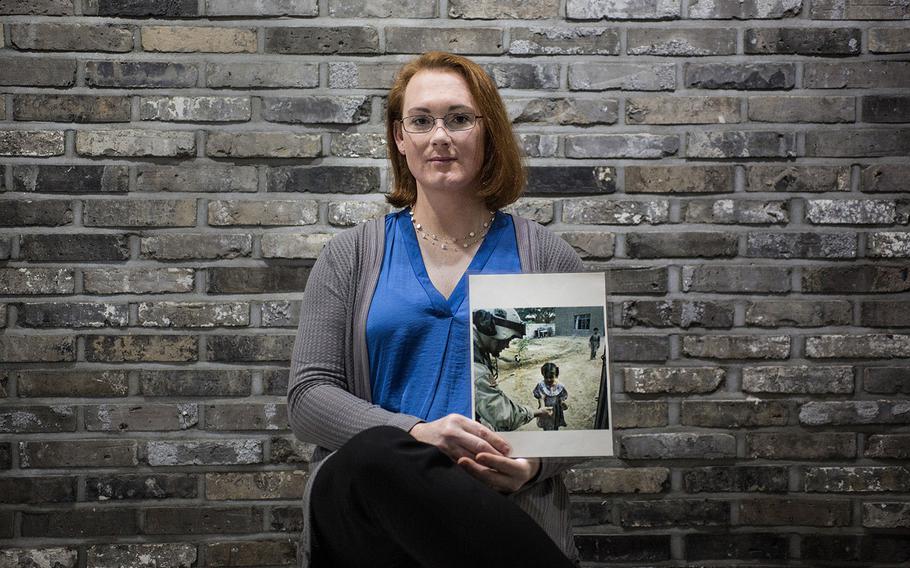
(321, 406)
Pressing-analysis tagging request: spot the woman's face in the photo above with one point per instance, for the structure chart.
(441, 160)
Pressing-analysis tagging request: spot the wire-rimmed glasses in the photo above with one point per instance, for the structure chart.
(453, 122)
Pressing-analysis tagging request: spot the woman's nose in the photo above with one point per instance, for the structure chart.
(440, 135)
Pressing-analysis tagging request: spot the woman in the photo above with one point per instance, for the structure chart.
(380, 377)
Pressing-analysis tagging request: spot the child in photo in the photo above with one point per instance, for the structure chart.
(551, 394)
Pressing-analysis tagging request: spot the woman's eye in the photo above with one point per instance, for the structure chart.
(420, 120)
(461, 119)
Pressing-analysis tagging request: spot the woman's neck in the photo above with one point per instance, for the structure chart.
(451, 215)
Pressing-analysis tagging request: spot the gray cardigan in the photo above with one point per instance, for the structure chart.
(329, 398)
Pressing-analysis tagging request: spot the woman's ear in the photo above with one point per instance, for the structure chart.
(399, 137)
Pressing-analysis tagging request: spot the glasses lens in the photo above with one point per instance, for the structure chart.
(459, 120)
(418, 123)
(421, 123)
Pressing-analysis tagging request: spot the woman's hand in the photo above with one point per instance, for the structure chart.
(459, 437)
(504, 474)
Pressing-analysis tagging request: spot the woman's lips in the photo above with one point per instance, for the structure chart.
(442, 159)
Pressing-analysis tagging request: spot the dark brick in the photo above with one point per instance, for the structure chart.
(317, 110)
(801, 445)
(214, 179)
(32, 212)
(37, 348)
(761, 479)
(250, 347)
(888, 446)
(70, 383)
(636, 280)
(37, 72)
(639, 414)
(323, 179)
(856, 548)
(524, 75)
(306, 40)
(571, 180)
(139, 8)
(865, 142)
(677, 179)
(677, 445)
(886, 515)
(21, 490)
(885, 178)
(71, 108)
(73, 315)
(856, 479)
(140, 74)
(680, 245)
(885, 314)
(741, 76)
(269, 416)
(152, 486)
(856, 279)
(71, 179)
(459, 40)
(80, 523)
(794, 512)
(887, 380)
(37, 7)
(136, 348)
(77, 453)
(6, 456)
(633, 348)
(674, 513)
(803, 41)
(799, 314)
(203, 520)
(286, 519)
(251, 553)
(623, 548)
(734, 413)
(72, 247)
(740, 546)
(7, 523)
(275, 381)
(736, 279)
(290, 451)
(677, 313)
(71, 37)
(590, 480)
(886, 108)
(184, 383)
(856, 75)
(590, 513)
(271, 280)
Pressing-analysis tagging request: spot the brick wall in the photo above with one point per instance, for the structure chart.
(170, 169)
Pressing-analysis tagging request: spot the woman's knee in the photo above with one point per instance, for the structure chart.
(372, 452)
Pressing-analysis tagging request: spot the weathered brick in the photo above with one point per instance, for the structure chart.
(280, 313)
(622, 9)
(195, 109)
(854, 412)
(138, 281)
(57, 557)
(860, 346)
(80, 314)
(746, 10)
(671, 380)
(888, 446)
(789, 109)
(193, 39)
(294, 245)
(622, 76)
(203, 520)
(738, 479)
(251, 553)
(623, 548)
(600, 212)
(799, 314)
(258, 485)
(350, 213)
(358, 145)
(680, 245)
(140, 417)
(885, 314)
(858, 142)
(734, 413)
(540, 210)
(317, 109)
(31, 212)
(497, 9)
(538, 145)
(886, 108)
(590, 245)
(677, 445)
(889, 40)
(193, 314)
(856, 479)
(250, 347)
(856, 75)
(71, 247)
(736, 279)
(603, 480)
(37, 348)
(70, 179)
(621, 145)
(6, 247)
(563, 111)
(729, 211)
(323, 179)
(887, 515)
(271, 280)
(886, 380)
(797, 179)
(682, 110)
(741, 144)
(463, 41)
(803, 446)
(3, 312)
(571, 179)
(290, 450)
(71, 37)
(37, 72)
(261, 74)
(77, 453)
(38, 143)
(135, 143)
(196, 246)
(351, 75)
(259, 8)
(736, 346)
(6, 458)
(675, 179)
(208, 178)
(35, 281)
(855, 279)
(564, 41)
(677, 313)
(204, 452)
(136, 213)
(37, 7)
(683, 42)
(71, 108)
(626, 348)
(857, 10)
(740, 76)
(70, 383)
(133, 8)
(872, 549)
(262, 144)
(801, 245)
(172, 555)
(739, 546)
(262, 213)
(324, 41)
(185, 383)
(799, 512)
(80, 523)
(673, 513)
(140, 74)
(35, 419)
(888, 245)
(524, 75)
(275, 381)
(141, 348)
(803, 41)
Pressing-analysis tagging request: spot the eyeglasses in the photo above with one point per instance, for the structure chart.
(453, 121)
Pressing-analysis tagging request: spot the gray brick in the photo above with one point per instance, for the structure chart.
(686, 42)
(624, 548)
(57, 557)
(290, 450)
(203, 520)
(37, 348)
(280, 313)
(857, 10)
(195, 109)
(250, 347)
(801, 245)
(80, 523)
(563, 111)
(674, 512)
(69, 383)
(317, 110)
(320, 40)
(248, 553)
(678, 445)
(734, 413)
(681, 245)
(677, 313)
(682, 110)
(856, 75)
(140, 417)
(196, 246)
(789, 512)
(77, 453)
(271, 280)
(37, 72)
(141, 348)
(746, 10)
(70, 179)
(37, 419)
(36, 281)
(204, 452)
(382, 9)
(621, 145)
(138, 281)
(257, 485)
(564, 41)
(872, 549)
(889, 40)
(741, 144)
(142, 486)
(540, 210)
(510, 9)
(71, 247)
(888, 245)
(639, 348)
(797, 179)
(294, 245)
(140, 74)
(259, 8)
(672, 380)
(33, 212)
(856, 479)
(801, 445)
(622, 9)
(464, 41)
(351, 75)
(851, 413)
(358, 145)
(262, 145)
(71, 108)
(6, 247)
(590, 245)
(77, 314)
(135, 213)
(235, 417)
(789, 109)
(858, 346)
(858, 142)
(622, 76)
(197, 178)
(736, 279)
(679, 179)
(350, 213)
(888, 446)
(135, 143)
(729, 211)
(886, 515)
(38, 143)
(886, 380)
(850, 212)
(524, 75)
(763, 479)
(275, 382)
(261, 74)
(803, 41)
(262, 213)
(600, 212)
(37, 7)
(544, 180)
(798, 313)
(741, 76)
(186, 383)
(133, 8)
(736, 346)
(323, 179)
(885, 178)
(193, 314)
(855, 279)
(886, 108)
(893, 313)
(71, 37)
